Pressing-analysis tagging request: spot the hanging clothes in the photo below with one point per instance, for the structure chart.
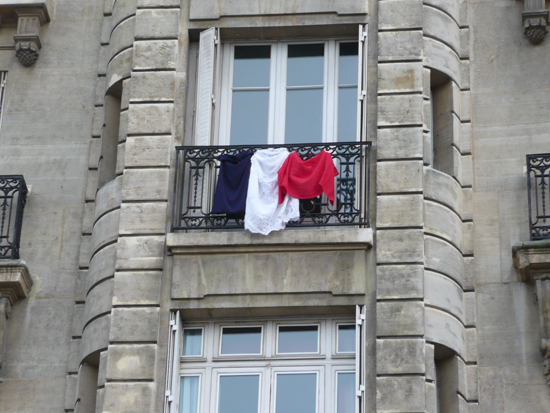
(307, 179)
(232, 187)
(264, 212)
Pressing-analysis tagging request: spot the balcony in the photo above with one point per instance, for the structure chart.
(13, 196)
(197, 171)
(538, 188)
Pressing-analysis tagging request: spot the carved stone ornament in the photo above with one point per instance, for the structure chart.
(534, 25)
(27, 38)
(532, 259)
(27, 53)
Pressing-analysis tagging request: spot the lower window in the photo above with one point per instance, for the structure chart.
(276, 366)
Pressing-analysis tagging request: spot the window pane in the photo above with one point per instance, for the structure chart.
(306, 64)
(249, 114)
(304, 116)
(346, 338)
(189, 394)
(239, 394)
(296, 393)
(298, 339)
(347, 114)
(348, 64)
(346, 393)
(242, 340)
(251, 67)
(192, 341)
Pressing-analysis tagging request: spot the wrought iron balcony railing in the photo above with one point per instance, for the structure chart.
(197, 170)
(538, 186)
(13, 196)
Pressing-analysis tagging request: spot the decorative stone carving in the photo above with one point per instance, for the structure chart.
(27, 38)
(532, 259)
(534, 23)
(15, 284)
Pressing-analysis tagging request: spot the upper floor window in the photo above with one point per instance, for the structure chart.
(280, 92)
(289, 92)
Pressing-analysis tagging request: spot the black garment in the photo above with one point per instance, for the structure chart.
(232, 187)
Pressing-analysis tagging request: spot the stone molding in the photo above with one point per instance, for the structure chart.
(532, 259)
(281, 241)
(15, 280)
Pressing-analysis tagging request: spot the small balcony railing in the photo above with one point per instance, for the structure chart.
(13, 196)
(538, 187)
(196, 177)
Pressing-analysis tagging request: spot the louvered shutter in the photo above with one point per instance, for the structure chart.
(360, 362)
(171, 399)
(362, 85)
(207, 67)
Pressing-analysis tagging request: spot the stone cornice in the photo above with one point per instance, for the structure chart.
(15, 280)
(9, 9)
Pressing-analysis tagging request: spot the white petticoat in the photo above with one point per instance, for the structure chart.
(263, 211)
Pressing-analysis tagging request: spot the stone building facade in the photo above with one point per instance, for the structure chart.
(439, 275)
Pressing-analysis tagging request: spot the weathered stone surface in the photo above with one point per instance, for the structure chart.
(155, 54)
(105, 230)
(400, 211)
(143, 218)
(396, 46)
(442, 27)
(444, 223)
(400, 110)
(137, 288)
(134, 324)
(445, 329)
(399, 15)
(150, 118)
(400, 394)
(445, 294)
(153, 86)
(95, 336)
(128, 397)
(403, 176)
(122, 37)
(400, 143)
(396, 246)
(157, 24)
(137, 253)
(145, 185)
(98, 301)
(131, 362)
(399, 318)
(400, 356)
(399, 281)
(148, 151)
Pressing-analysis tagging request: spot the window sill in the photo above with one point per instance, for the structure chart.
(281, 241)
(15, 280)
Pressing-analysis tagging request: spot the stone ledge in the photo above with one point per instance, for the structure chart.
(281, 241)
(532, 259)
(15, 280)
(8, 8)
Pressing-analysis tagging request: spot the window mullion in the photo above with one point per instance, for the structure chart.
(330, 95)
(280, 94)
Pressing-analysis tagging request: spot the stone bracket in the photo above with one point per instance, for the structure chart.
(535, 20)
(27, 38)
(532, 259)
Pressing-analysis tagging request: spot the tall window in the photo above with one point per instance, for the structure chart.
(276, 366)
(289, 92)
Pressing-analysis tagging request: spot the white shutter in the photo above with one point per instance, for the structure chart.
(360, 335)
(171, 399)
(362, 84)
(205, 86)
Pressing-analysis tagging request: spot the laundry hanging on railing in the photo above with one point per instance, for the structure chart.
(264, 212)
(265, 188)
(307, 179)
(232, 187)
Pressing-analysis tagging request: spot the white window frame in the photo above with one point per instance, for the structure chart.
(217, 373)
(299, 354)
(218, 331)
(319, 371)
(336, 343)
(201, 356)
(278, 88)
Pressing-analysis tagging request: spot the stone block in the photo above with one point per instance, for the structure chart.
(400, 45)
(157, 24)
(99, 300)
(398, 110)
(443, 293)
(143, 218)
(125, 97)
(399, 318)
(100, 398)
(134, 325)
(145, 185)
(74, 362)
(95, 336)
(444, 223)
(120, 67)
(150, 118)
(470, 309)
(77, 323)
(102, 266)
(431, 398)
(400, 394)
(443, 257)
(155, 54)
(396, 357)
(123, 128)
(439, 25)
(137, 288)
(105, 230)
(123, 9)
(149, 4)
(399, 15)
(148, 151)
(95, 152)
(131, 362)
(450, 7)
(443, 328)
(399, 176)
(70, 392)
(120, 156)
(396, 246)
(88, 219)
(102, 370)
(399, 77)
(399, 211)
(122, 37)
(465, 131)
(108, 198)
(140, 253)
(430, 362)
(128, 397)
(153, 86)
(399, 281)
(91, 184)
(399, 143)
(442, 188)
(441, 57)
